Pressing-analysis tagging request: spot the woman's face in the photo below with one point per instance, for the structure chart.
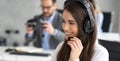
(69, 24)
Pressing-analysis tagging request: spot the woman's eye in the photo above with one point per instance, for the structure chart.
(63, 21)
(71, 23)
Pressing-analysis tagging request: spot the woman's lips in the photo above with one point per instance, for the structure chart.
(69, 34)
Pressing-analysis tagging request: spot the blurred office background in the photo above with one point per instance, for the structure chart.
(14, 14)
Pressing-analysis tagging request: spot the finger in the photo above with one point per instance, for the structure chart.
(71, 45)
(75, 40)
(78, 42)
(75, 45)
(45, 25)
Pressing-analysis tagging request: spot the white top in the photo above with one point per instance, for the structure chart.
(100, 54)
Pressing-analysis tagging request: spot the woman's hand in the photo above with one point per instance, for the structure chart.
(76, 48)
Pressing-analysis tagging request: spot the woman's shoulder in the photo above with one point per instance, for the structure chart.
(60, 45)
(100, 53)
(100, 49)
(54, 56)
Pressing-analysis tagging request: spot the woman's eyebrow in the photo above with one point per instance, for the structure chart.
(71, 20)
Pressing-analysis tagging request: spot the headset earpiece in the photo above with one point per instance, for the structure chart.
(87, 26)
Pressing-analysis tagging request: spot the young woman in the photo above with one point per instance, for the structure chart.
(79, 26)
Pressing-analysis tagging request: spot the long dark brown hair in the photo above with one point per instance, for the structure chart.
(94, 3)
(79, 13)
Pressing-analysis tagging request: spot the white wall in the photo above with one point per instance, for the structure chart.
(111, 6)
(14, 13)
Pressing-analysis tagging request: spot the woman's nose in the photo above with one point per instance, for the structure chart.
(66, 27)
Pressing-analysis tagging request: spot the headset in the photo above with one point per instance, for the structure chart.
(88, 25)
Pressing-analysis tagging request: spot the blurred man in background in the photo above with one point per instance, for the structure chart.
(47, 33)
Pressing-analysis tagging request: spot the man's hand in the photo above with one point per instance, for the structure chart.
(48, 27)
(29, 30)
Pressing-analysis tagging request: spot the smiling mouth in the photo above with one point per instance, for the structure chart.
(69, 34)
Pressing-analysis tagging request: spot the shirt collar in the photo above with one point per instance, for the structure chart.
(51, 17)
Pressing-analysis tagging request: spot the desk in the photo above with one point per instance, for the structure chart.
(5, 56)
(109, 37)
